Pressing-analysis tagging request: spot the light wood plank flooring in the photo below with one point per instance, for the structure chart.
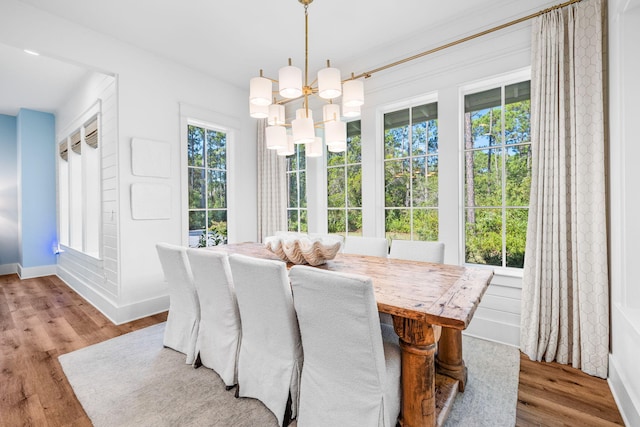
(42, 318)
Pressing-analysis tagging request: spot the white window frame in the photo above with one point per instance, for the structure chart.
(504, 79)
(297, 173)
(345, 165)
(192, 115)
(428, 98)
(89, 211)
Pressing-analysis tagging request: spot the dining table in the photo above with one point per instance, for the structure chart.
(419, 296)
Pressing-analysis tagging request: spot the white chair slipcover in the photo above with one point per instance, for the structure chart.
(270, 358)
(219, 332)
(181, 330)
(371, 246)
(416, 250)
(350, 377)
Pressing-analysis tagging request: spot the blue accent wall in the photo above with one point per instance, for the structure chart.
(8, 190)
(37, 183)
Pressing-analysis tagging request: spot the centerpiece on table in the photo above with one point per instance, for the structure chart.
(304, 249)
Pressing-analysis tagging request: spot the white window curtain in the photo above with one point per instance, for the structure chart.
(565, 291)
(272, 187)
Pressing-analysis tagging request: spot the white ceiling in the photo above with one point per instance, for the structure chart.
(232, 40)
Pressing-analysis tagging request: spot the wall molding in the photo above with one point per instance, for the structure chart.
(493, 330)
(8, 268)
(628, 405)
(107, 306)
(31, 272)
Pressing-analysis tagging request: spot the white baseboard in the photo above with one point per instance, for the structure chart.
(492, 330)
(140, 309)
(8, 269)
(40, 271)
(628, 405)
(110, 308)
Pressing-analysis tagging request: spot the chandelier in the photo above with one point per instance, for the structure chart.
(291, 85)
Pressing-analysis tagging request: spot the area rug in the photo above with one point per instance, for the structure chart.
(132, 380)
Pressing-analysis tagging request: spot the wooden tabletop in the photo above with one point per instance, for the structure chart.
(441, 294)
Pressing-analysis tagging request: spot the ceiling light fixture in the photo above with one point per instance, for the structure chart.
(263, 104)
(31, 52)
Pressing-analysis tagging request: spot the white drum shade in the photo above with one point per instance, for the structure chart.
(290, 82)
(260, 89)
(289, 149)
(303, 131)
(259, 111)
(353, 93)
(335, 133)
(276, 137)
(329, 85)
(330, 112)
(276, 115)
(350, 112)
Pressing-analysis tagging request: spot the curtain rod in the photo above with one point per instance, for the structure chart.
(368, 74)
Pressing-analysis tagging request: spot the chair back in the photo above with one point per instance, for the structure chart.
(181, 329)
(371, 246)
(219, 332)
(270, 356)
(417, 250)
(344, 374)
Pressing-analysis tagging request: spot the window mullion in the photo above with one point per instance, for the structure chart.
(504, 179)
(411, 173)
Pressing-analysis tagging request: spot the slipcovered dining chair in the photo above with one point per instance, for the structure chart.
(270, 358)
(350, 376)
(181, 329)
(417, 250)
(371, 246)
(219, 332)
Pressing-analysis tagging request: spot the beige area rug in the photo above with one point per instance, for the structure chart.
(132, 380)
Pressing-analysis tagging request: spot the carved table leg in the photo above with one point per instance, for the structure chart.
(418, 372)
(449, 360)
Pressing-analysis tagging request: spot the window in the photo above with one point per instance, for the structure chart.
(411, 173)
(497, 168)
(80, 194)
(207, 185)
(297, 190)
(344, 186)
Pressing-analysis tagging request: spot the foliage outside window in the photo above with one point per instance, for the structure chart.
(344, 186)
(297, 190)
(497, 157)
(207, 182)
(411, 173)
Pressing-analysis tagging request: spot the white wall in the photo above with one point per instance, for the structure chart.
(150, 90)
(624, 61)
(96, 278)
(440, 75)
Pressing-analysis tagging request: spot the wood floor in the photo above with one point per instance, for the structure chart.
(42, 318)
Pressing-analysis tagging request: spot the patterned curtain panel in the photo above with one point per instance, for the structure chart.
(272, 188)
(565, 291)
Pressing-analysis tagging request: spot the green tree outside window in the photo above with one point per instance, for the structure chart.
(344, 186)
(497, 158)
(411, 173)
(207, 186)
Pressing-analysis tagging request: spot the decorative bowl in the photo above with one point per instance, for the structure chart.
(304, 250)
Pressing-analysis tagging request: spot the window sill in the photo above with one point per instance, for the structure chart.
(511, 277)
